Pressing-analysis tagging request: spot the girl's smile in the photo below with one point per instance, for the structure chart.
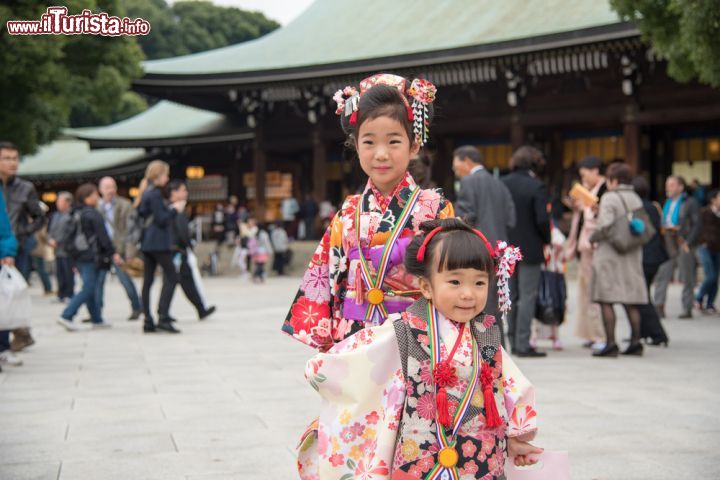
(385, 151)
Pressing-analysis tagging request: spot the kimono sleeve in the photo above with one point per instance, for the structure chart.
(362, 390)
(310, 317)
(519, 401)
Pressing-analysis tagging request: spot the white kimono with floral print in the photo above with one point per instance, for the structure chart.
(362, 388)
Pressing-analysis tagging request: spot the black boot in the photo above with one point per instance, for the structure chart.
(149, 326)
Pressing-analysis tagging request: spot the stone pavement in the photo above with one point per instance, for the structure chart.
(227, 400)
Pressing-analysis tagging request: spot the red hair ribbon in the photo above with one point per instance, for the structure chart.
(436, 230)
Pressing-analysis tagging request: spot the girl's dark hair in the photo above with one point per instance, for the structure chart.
(461, 248)
(381, 101)
(83, 192)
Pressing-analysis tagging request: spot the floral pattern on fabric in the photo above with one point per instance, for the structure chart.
(317, 316)
(376, 420)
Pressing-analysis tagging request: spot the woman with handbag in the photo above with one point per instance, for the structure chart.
(617, 262)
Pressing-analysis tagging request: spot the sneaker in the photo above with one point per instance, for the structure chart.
(557, 345)
(685, 316)
(67, 325)
(135, 315)
(101, 325)
(9, 358)
(599, 345)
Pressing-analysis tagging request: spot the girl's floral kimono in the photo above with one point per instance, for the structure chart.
(378, 408)
(327, 308)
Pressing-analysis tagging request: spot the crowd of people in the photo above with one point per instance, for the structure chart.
(94, 232)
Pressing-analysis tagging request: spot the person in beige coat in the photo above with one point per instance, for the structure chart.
(617, 277)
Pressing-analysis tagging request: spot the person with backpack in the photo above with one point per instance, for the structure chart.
(156, 243)
(86, 241)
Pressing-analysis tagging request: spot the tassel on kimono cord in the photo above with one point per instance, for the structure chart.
(492, 417)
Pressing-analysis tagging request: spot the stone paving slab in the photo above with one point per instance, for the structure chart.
(227, 399)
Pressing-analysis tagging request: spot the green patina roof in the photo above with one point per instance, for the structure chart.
(163, 124)
(67, 157)
(335, 31)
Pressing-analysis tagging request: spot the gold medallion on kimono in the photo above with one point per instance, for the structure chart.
(448, 457)
(375, 296)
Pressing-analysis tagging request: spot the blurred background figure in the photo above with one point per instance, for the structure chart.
(156, 244)
(63, 263)
(87, 241)
(708, 253)
(654, 255)
(588, 323)
(182, 246)
(281, 247)
(531, 233)
(116, 212)
(617, 277)
(681, 229)
(40, 254)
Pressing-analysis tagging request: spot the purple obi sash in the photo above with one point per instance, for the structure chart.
(354, 311)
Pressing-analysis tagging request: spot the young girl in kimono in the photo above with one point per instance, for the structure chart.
(356, 277)
(430, 394)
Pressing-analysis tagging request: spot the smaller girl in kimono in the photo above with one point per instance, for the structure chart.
(431, 393)
(356, 277)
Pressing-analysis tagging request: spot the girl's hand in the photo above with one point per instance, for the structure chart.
(522, 451)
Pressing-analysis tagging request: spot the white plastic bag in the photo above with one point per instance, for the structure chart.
(14, 299)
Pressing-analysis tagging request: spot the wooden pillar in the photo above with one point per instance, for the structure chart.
(235, 173)
(631, 131)
(517, 132)
(319, 163)
(260, 169)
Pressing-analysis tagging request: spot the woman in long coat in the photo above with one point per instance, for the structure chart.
(618, 277)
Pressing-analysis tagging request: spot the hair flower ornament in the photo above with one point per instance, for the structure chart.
(341, 96)
(507, 258)
(423, 94)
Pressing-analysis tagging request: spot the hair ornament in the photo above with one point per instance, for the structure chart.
(340, 98)
(423, 94)
(421, 91)
(506, 259)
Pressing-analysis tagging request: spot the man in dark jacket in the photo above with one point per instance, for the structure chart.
(182, 245)
(531, 233)
(681, 224)
(26, 218)
(484, 202)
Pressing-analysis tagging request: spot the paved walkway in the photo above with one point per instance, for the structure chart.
(226, 399)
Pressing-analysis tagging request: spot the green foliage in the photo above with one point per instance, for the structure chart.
(684, 32)
(194, 26)
(51, 81)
